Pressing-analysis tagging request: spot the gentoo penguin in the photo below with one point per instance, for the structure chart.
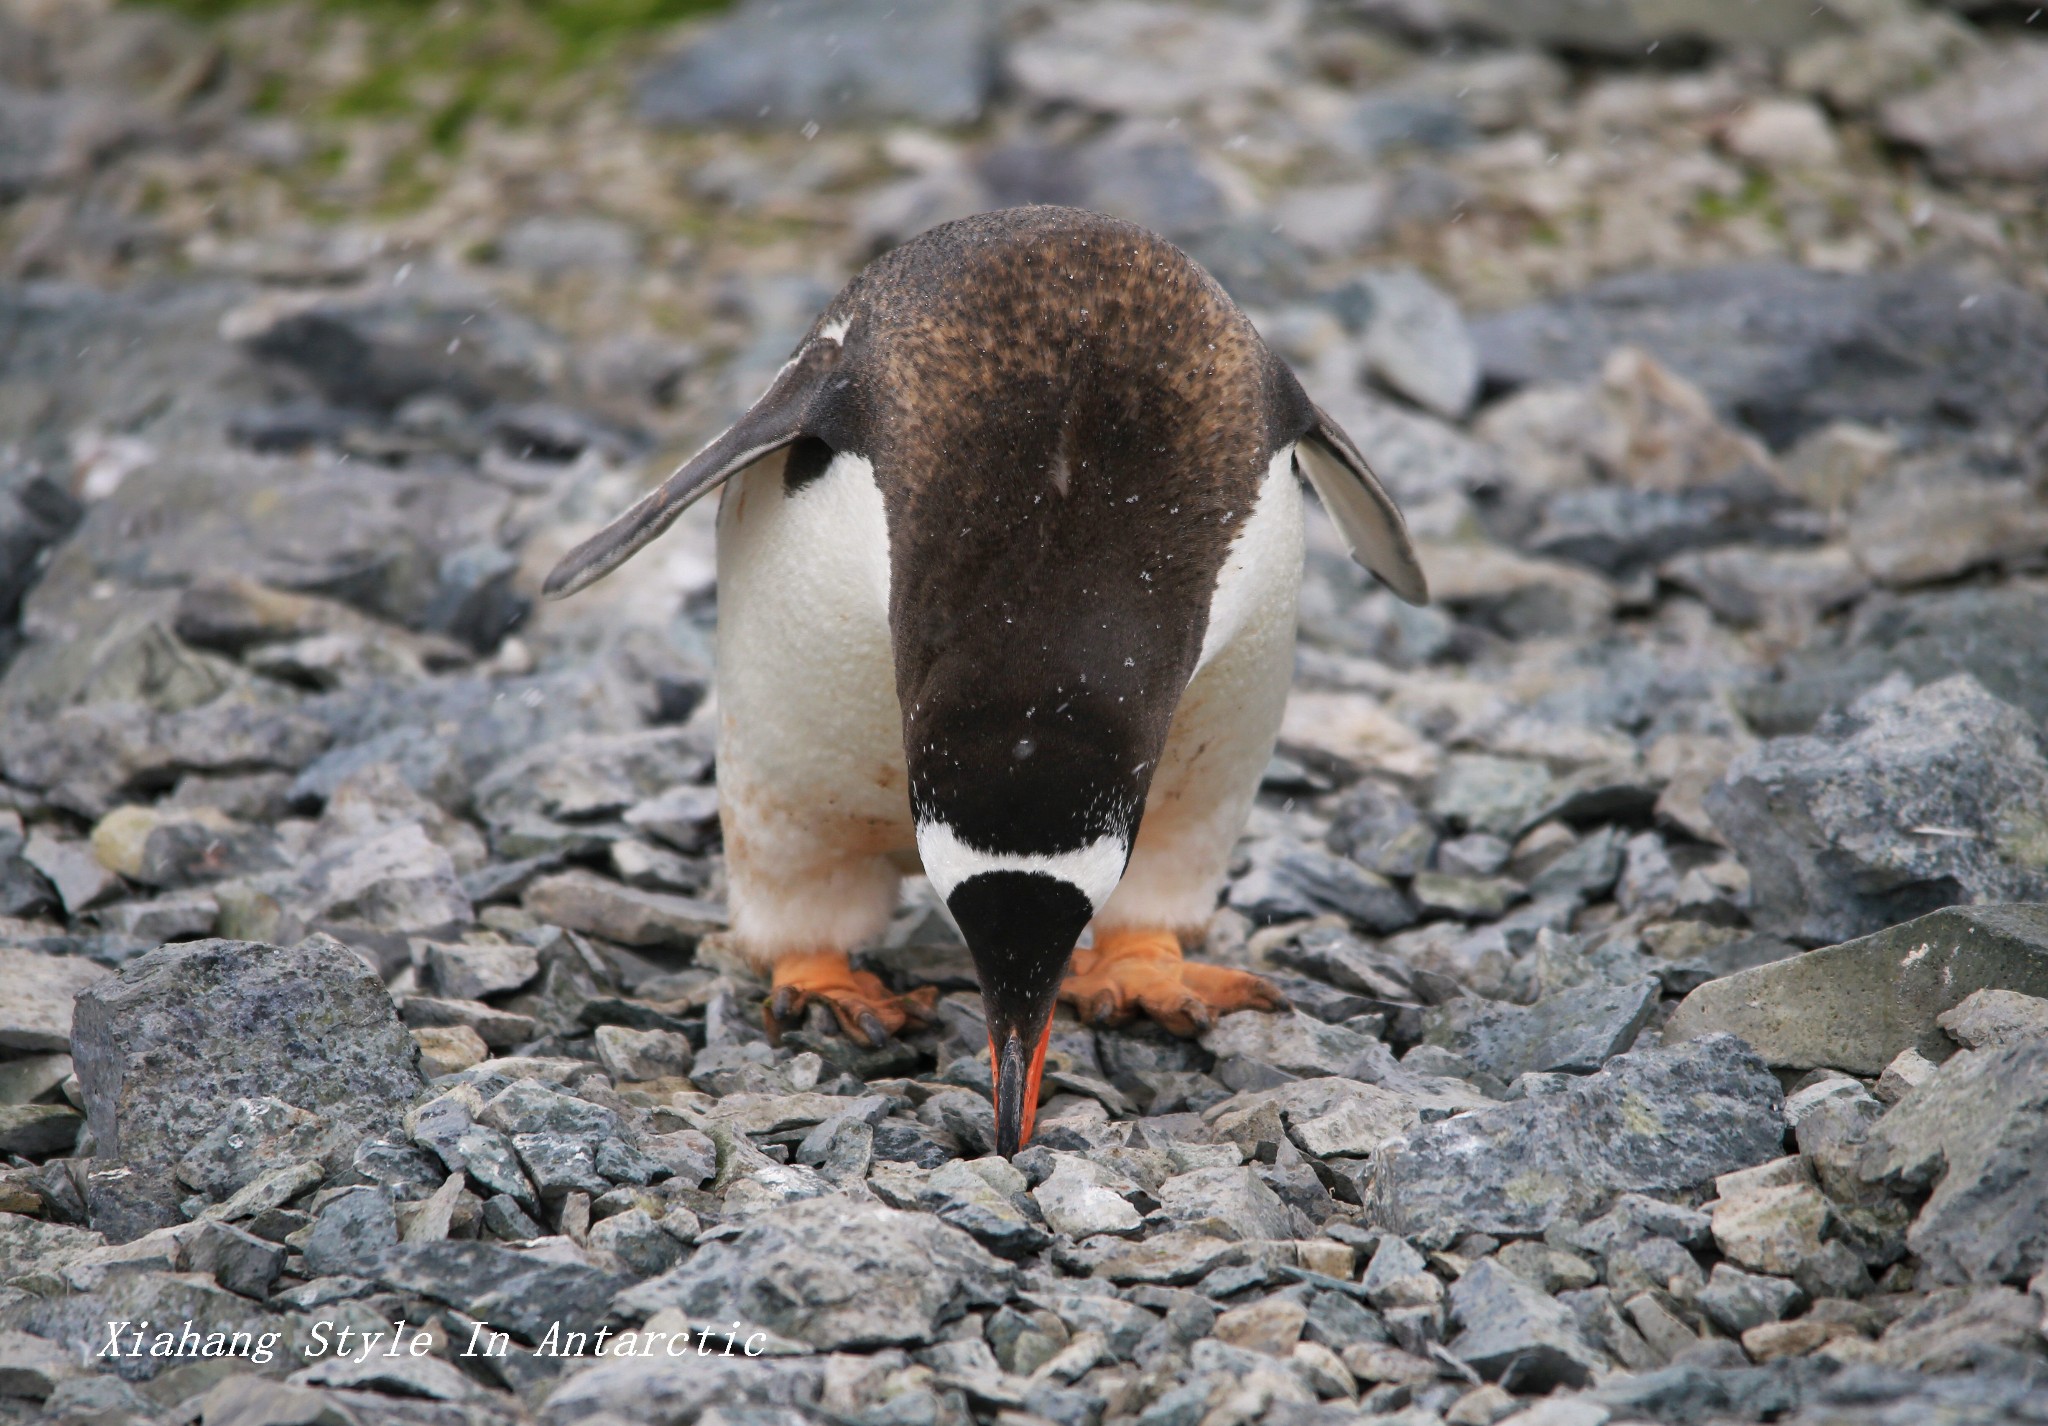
(1008, 557)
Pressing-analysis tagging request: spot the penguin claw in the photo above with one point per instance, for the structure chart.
(1127, 973)
(867, 1011)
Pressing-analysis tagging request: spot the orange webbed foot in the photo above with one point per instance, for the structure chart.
(1129, 973)
(867, 1010)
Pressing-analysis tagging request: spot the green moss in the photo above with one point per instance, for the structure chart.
(1757, 195)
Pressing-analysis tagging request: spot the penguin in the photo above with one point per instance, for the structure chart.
(1008, 560)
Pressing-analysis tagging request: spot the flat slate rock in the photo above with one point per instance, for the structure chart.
(1574, 1031)
(1855, 1006)
(1655, 1121)
(834, 1273)
(36, 994)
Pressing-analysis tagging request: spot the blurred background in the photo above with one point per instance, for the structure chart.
(1704, 344)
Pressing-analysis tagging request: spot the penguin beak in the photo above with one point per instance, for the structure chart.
(1017, 1058)
(1021, 928)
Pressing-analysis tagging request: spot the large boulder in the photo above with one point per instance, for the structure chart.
(834, 1273)
(1855, 1006)
(1655, 1121)
(1933, 799)
(164, 1050)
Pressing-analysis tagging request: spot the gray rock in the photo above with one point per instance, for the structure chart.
(641, 1054)
(1080, 1200)
(1988, 118)
(638, 1241)
(1514, 1334)
(1288, 881)
(770, 1391)
(179, 916)
(1485, 793)
(36, 994)
(1998, 635)
(1789, 349)
(982, 1198)
(473, 970)
(1224, 1203)
(1342, 959)
(1138, 58)
(351, 1233)
(581, 901)
(250, 1138)
(1416, 342)
(1288, 1040)
(835, 1274)
(1977, 1135)
(1858, 1005)
(165, 1049)
(81, 881)
(1991, 1019)
(1574, 1031)
(1623, 532)
(685, 817)
(584, 776)
(1737, 1301)
(36, 1131)
(786, 64)
(1654, 1121)
(181, 846)
(1935, 799)
(521, 1293)
(1628, 27)
(399, 880)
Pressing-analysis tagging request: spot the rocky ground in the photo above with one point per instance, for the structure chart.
(1710, 361)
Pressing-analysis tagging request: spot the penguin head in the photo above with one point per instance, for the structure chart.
(1024, 826)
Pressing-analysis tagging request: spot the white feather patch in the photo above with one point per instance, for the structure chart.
(1095, 869)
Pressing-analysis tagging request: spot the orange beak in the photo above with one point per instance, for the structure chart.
(1016, 1086)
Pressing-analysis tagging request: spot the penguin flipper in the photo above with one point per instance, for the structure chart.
(775, 420)
(1365, 514)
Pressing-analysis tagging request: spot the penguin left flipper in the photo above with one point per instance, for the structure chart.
(867, 1010)
(1127, 973)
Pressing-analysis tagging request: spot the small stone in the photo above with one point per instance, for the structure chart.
(1470, 898)
(1416, 342)
(178, 916)
(35, 1131)
(1378, 1362)
(1573, 1031)
(1075, 1201)
(1481, 1406)
(449, 1049)
(1551, 1269)
(351, 1232)
(240, 1262)
(1908, 1070)
(36, 994)
(1662, 1328)
(1991, 1019)
(580, 901)
(1986, 117)
(637, 1240)
(1496, 795)
(1225, 1202)
(474, 970)
(81, 881)
(1650, 1121)
(1773, 1340)
(1272, 1326)
(1771, 1230)
(629, 1055)
(1515, 1333)
(1788, 133)
(499, 1029)
(1737, 1301)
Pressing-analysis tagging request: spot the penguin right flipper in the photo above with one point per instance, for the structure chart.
(781, 416)
(1364, 513)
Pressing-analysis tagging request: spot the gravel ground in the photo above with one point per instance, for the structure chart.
(1664, 910)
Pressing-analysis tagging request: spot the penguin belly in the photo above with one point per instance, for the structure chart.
(814, 797)
(1225, 725)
